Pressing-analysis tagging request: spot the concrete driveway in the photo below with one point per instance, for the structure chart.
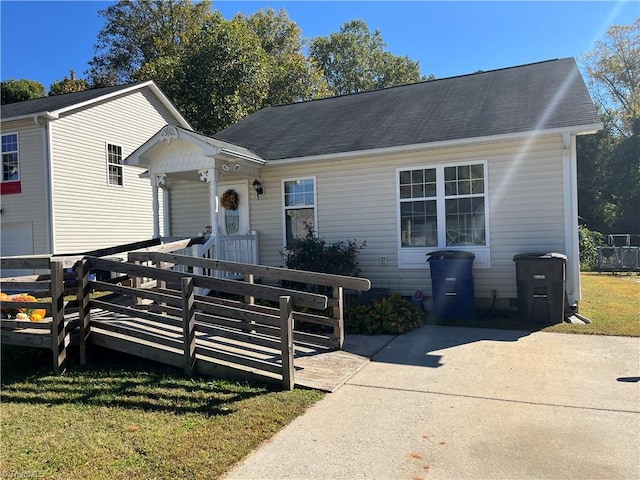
(465, 403)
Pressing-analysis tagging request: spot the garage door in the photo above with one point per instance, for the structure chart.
(17, 239)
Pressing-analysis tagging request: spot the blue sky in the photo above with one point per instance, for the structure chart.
(43, 40)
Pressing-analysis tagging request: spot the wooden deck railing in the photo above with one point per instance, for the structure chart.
(250, 272)
(55, 280)
(50, 332)
(175, 325)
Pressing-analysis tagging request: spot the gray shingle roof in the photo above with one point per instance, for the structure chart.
(539, 96)
(56, 102)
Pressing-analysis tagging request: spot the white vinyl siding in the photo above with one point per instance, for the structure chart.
(90, 214)
(189, 208)
(357, 199)
(31, 203)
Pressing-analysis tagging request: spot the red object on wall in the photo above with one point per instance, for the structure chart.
(7, 188)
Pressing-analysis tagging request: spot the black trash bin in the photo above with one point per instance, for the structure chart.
(541, 281)
(452, 283)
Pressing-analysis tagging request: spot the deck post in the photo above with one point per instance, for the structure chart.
(84, 310)
(188, 325)
(58, 328)
(338, 330)
(286, 337)
(250, 279)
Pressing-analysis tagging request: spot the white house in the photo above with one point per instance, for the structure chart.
(64, 186)
(483, 163)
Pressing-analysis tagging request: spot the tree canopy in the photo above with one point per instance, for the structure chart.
(68, 85)
(19, 90)
(609, 162)
(355, 60)
(291, 74)
(222, 78)
(613, 73)
(140, 34)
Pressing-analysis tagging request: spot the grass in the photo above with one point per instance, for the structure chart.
(610, 301)
(122, 417)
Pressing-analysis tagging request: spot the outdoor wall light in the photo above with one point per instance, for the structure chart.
(257, 186)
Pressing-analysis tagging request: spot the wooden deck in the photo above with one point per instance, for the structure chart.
(152, 308)
(315, 367)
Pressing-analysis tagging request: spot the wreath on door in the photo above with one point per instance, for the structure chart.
(229, 200)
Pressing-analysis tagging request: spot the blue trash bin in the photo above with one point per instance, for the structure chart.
(452, 283)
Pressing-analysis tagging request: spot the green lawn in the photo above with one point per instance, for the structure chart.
(609, 301)
(122, 418)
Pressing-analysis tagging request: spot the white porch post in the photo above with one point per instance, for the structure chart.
(211, 177)
(156, 181)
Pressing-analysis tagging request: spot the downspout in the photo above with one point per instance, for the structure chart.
(570, 189)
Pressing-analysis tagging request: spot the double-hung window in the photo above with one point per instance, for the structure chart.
(10, 162)
(114, 165)
(299, 209)
(442, 207)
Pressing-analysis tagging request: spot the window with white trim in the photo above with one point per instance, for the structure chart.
(443, 206)
(10, 158)
(114, 165)
(299, 203)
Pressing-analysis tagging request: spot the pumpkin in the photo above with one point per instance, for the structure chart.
(39, 311)
(36, 317)
(21, 316)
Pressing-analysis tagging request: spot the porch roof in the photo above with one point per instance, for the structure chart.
(211, 147)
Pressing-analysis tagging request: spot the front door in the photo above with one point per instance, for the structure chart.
(234, 221)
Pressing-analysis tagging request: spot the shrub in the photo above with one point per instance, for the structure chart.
(392, 314)
(314, 254)
(589, 242)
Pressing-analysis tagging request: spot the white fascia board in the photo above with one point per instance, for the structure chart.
(576, 130)
(35, 116)
(243, 156)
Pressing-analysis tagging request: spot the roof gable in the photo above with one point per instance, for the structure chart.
(530, 98)
(55, 105)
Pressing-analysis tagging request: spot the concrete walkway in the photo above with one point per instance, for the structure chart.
(463, 403)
